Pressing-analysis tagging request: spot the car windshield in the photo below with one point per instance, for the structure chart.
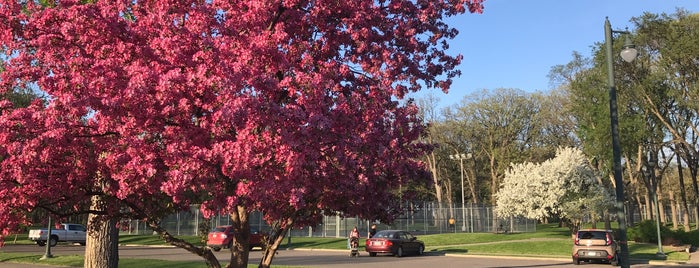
(219, 229)
(592, 235)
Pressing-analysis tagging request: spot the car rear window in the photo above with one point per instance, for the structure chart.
(383, 234)
(592, 235)
(219, 229)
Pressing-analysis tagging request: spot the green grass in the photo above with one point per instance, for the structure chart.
(72, 261)
(546, 248)
(152, 240)
(319, 243)
(18, 239)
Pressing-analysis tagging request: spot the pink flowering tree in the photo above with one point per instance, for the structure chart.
(291, 108)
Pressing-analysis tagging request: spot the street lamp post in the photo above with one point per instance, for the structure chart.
(47, 254)
(628, 54)
(461, 158)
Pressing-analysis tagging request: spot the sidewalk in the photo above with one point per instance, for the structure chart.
(26, 265)
(694, 258)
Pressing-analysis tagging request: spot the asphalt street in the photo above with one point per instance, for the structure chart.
(340, 259)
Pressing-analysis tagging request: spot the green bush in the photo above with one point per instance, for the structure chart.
(646, 232)
(687, 238)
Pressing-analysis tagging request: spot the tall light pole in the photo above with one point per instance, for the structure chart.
(47, 254)
(628, 54)
(461, 158)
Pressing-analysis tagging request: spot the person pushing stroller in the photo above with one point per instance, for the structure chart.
(354, 242)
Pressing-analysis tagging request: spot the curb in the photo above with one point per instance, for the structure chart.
(148, 246)
(667, 263)
(650, 262)
(506, 257)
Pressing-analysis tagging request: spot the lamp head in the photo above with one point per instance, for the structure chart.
(628, 52)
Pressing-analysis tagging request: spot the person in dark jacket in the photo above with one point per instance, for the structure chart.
(372, 231)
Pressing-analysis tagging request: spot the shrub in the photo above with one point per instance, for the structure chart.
(646, 232)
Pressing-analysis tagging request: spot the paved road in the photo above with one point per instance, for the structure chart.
(325, 258)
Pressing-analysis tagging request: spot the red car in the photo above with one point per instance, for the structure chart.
(222, 237)
(396, 242)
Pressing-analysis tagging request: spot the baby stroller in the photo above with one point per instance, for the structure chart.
(354, 246)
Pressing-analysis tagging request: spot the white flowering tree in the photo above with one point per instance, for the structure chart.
(565, 186)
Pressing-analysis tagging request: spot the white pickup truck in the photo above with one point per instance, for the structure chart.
(67, 232)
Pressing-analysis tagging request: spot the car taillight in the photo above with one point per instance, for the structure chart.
(577, 240)
(367, 243)
(609, 239)
(388, 243)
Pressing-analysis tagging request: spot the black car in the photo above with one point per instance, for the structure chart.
(396, 242)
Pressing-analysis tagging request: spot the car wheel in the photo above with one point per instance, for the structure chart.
(399, 253)
(53, 241)
(420, 250)
(576, 261)
(615, 260)
(216, 248)
(41, 243)
(372, 254)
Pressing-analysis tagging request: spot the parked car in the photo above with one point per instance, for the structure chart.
(66, 232)
(222, 237)
(595, 245)
(395, 242)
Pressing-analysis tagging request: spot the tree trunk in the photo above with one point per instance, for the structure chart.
(450, 199)
(102, 240)
(240, 249)
(276, 239)
(432, 162)
(696, 200)
(673, 210)
(692, 165)
(608, 219)
(639, 203)
(661, 207)
(493, 190)
(648, 207)
(472, 185)
(683, 193)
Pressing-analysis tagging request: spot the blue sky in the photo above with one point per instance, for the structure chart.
(514, 43)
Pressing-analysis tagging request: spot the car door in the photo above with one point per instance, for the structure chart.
(75, 233)
(407, 242)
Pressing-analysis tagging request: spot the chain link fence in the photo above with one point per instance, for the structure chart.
(423, 218)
